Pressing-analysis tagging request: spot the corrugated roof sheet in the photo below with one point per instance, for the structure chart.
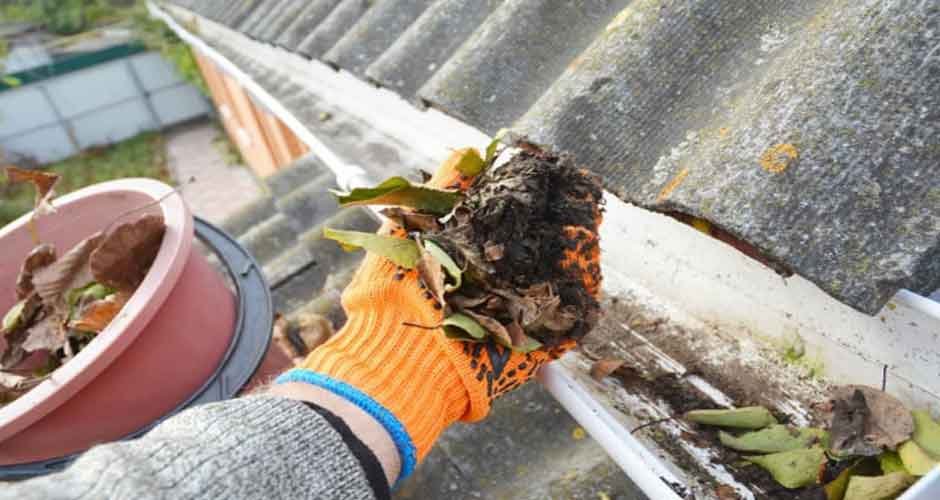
(810, 129)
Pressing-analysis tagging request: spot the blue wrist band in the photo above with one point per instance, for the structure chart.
(395, 429)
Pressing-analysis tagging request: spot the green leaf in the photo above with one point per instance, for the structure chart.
(773, 439)
(878, 487)
(403, 252)
(794, 468)
(453, 270)
(926, 432)
(467, 161)
(461, 326)
(751, 417)
(890, 461)
(401, 192)
(13, 317)
(491, 147)
(93, 290)
(916, 461)
(528, 345)
(835, 489)
(11, 81)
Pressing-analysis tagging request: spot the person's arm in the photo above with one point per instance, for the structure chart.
(268, 446)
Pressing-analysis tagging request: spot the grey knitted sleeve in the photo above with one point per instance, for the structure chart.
(254, 447)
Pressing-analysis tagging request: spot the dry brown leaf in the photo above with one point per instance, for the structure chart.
(125, 255)
(464, 302)
(516, 333)
(602, 368)
(313, 330)
(70, 271)
(44, 182)
(282, 338)
(496, 329)
(97, 315)
(493, 251)
(866, 421)
(412, 221)
(48, 333)
(39, 257)
(431, 273)
(559, 319)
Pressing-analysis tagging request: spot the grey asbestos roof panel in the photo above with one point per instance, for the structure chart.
(332, 29)
(428, 44)
(509, 60)
(809, 129)
(308, 19)
(373, 33)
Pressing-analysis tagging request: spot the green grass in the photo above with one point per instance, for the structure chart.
(141, 156)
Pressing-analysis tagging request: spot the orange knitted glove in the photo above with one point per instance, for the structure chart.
(416, 381)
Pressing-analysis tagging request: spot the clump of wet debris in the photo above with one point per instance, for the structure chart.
(512, 259)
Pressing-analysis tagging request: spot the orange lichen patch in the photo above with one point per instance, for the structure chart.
(672, 185)
(724, 133)
(702, 225)
(778, 158)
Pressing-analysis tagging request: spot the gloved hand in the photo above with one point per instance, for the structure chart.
(416, 381)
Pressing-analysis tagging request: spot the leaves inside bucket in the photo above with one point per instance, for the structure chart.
(67, 300)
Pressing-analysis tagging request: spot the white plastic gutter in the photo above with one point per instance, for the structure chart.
(853, 347)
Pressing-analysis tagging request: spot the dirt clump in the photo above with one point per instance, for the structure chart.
(526, 232)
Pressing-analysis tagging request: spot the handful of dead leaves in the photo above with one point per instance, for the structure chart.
(64, 302)
(491, 256)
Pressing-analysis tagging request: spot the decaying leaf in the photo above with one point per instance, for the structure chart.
(878, 487)
(13, 385)
(69, 272)
(867, 421)
(493, 251)
(453, 270)
(751, 417)
(39, 257)
(602, 368)
(44, 183)
(411, 220)
(890, 461)
(462, 327)
(926, 432)
(916, 461)
(835, 489)
(467, 161)
(126, 253)
(774, 439)
(97, 315)
(432, 275)
(47, 333)
(794, 468)
(401, 251)
(401, 192)
(14, 317)
(496, 329)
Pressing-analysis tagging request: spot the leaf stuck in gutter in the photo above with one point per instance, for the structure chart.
(794, 468)
(878, 487)
(774, 439)
(751, 417)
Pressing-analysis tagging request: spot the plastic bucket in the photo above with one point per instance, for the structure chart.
(187, 336)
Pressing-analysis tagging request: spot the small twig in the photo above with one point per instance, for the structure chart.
(884, 378)
(423, 327)
(651, 423)
(159, 200)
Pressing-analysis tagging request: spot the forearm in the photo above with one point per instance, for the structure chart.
(255, 447)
